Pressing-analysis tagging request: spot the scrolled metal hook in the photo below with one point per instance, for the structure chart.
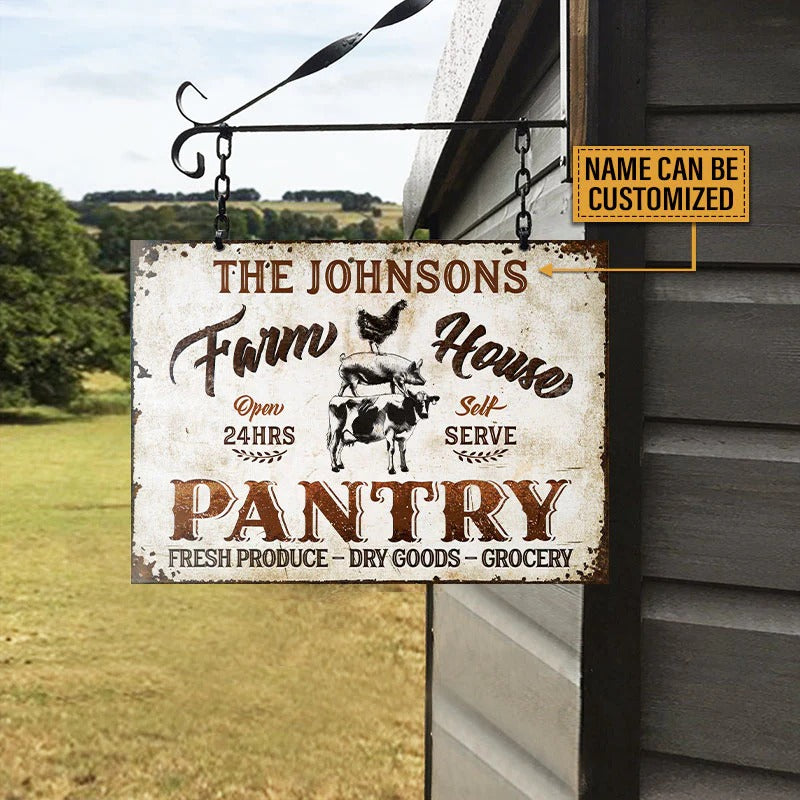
(180, 140)
(179, 100)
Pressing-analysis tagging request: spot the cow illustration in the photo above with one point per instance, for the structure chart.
(384, 417)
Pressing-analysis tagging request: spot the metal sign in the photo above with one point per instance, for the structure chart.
(368, 411)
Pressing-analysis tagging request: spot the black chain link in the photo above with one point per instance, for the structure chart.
(522, 183)
(222, 187)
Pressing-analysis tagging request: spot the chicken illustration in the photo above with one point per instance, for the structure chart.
(376, 330)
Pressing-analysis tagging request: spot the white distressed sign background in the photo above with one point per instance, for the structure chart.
(253, 461)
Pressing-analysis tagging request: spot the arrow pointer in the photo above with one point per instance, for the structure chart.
(549, 269)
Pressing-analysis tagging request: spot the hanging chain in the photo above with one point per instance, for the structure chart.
(522, 183)
(222, 187)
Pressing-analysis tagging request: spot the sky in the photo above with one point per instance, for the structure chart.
(87, 91)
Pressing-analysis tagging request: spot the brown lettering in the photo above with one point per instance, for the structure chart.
(268, 514)
(320, 498)
(404, 506)
(537, 512)
(457, 511)
(186, 510)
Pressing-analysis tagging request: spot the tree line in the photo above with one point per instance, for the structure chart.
(349, 201)
(116, 227)
(152, 196)
(63, 278)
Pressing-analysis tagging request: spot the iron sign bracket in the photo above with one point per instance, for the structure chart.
(454, 125)
(320, 60)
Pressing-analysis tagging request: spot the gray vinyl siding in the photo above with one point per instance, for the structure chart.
(506, 659)
(720, 628)
(671, 778)
(722, 53)
(493, 180)
(498, 666)
(721, 505)
(721, 465)
(772, 236)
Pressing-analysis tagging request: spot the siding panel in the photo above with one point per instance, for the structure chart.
(509, 672)
(558, 608)
(721, 505)
(718, 52)
(716, 359)
(720, 669)
(666, 778)
(474, 760)
(773, 235)
(460, 773)
(472, 21)
(720, 665)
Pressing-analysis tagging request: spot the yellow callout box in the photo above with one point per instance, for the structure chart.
(661, 184)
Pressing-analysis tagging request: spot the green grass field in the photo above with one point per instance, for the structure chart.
(118, 691)
(391, 213)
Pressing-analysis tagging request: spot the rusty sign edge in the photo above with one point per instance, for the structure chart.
(596, 572)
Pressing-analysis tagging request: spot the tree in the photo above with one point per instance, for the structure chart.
(245, 194)
(391, 235)
(59, 315)
(366, 230)
(113, 238)
(350, 201)
(328, 227)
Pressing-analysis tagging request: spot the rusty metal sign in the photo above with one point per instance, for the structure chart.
(368, 411)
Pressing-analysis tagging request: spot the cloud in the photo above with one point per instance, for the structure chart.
(108, 75)
(273, 18)
(130, 85)
(134, 157)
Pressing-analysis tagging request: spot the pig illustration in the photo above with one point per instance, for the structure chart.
(374, 368)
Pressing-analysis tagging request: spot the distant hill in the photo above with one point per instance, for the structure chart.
(390, 216)
(114, 225)
(346, 207)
